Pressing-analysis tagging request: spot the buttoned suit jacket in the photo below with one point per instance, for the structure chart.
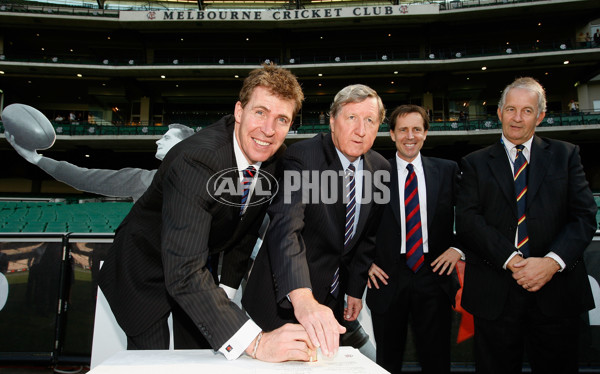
(561, 217)
(160, 249)
(441, 177)
(304, 244)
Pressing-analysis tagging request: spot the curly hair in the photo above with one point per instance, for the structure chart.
(281, 82)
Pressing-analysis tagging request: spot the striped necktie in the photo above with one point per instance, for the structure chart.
(350, 189)
(520, 175)
(412, 208)
(248, 175)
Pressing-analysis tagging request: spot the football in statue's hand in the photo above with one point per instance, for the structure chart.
(30, 127)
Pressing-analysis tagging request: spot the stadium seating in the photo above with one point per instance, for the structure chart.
(32, 217)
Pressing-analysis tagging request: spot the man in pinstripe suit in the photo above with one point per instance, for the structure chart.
(158, 262)
(294, 274)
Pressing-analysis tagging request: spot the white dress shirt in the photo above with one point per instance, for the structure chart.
(237, 344)
(402, 174)
(511, 153)
(358, 182)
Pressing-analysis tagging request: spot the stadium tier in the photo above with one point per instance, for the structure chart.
(40, 217)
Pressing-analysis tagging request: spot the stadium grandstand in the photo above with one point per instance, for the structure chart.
(112, 75)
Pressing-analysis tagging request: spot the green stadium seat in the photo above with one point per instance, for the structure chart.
(101, 228)
(61, 217)
(12, 227)
(107, 130)
(436, 126)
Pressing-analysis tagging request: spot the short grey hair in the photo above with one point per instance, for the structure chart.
(530, 84)
(356, 93)
(184, 131)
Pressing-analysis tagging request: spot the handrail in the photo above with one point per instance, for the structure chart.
(112, 8)
(441, 53)
(313, 125)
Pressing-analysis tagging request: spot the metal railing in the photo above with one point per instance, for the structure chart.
(111, 8)
(313, 125)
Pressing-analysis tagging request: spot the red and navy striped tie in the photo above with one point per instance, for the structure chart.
(248, 175)
(520, 175)
(414, 235)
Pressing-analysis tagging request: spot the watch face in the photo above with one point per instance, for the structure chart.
(3, 290)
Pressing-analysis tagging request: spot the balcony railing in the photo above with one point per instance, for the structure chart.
(111, 8)
(313, 126)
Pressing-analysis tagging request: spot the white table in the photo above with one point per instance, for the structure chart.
(348, 361)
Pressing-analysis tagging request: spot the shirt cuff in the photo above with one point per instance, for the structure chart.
(462, 254)
(237, 344)
(229, 291)
(559, 260)
(510, 258)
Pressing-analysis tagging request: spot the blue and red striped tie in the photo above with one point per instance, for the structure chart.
(248, 175)
(412, 208)
(520, 175)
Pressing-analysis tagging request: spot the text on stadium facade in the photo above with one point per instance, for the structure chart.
(278, 15)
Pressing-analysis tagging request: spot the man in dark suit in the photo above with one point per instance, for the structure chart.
(312, 254)
(525, 215)
(158, 262)
(420, 290)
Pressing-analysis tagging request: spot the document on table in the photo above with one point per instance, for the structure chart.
(348, 361)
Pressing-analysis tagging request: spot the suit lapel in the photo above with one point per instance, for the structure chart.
(395, 191)
(540, 160)
(332, 162)
(266, 174)
(227, 154)
(432, 177)
(500, 169)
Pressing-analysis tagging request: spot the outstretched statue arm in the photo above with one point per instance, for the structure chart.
(127, 182)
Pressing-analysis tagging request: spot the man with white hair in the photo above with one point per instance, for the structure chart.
(525, 214)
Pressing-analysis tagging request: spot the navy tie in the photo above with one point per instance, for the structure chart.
(520, 175)
(414, 235)
(248, 175)
(350, 189)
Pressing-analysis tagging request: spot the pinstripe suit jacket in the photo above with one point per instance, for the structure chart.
(305, 242)
(160, 250)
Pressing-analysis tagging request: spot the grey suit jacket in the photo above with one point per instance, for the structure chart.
(561, 217)
(160, 250)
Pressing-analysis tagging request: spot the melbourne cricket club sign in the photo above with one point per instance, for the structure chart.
(306, 186)
(280, 15)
